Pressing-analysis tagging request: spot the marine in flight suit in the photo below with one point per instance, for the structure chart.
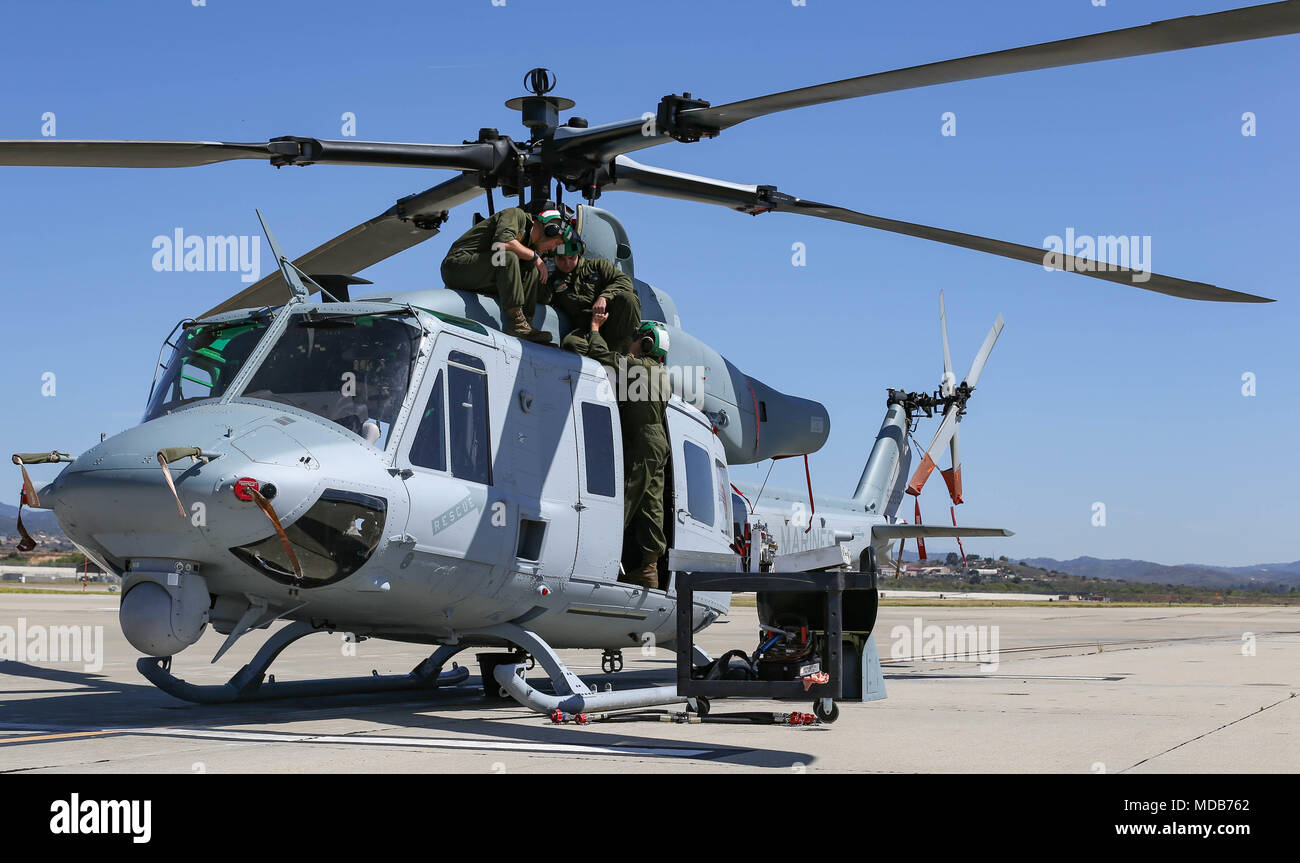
(580, 284)
(501, 256)
(644, 390)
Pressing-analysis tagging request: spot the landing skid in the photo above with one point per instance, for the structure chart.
(250, 683)
(571, 694)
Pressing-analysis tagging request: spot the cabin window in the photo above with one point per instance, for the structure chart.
(739, 516)
(430, 446)
(598, 438)
(467, 409)
(699, 484)
(724, 488)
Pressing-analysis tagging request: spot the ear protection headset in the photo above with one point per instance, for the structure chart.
(552, 223)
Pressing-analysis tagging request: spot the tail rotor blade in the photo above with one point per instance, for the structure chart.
(941, 438)
(949, 382)
(976, 367)
(952, 476)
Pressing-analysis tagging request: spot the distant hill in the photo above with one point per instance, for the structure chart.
(1196, 575)
(35, 520)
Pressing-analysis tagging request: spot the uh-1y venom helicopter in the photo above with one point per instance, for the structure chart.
(394, 466)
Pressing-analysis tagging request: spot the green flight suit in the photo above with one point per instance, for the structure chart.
(574, 293)
(470, 264)
(643, 389)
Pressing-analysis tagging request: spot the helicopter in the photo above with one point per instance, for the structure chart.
(394, 466)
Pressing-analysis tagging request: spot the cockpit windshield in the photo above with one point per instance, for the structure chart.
(352, 369)
(207, 357)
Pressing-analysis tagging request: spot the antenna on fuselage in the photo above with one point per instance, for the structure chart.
(291, 273)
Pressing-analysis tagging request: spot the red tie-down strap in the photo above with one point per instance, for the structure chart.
(812, 504)
(920, 540)
(953, 510)
(25, 543)
(742, 496)
(814, 679)
(740, 545)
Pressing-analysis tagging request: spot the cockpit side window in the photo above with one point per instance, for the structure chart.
(467, 411)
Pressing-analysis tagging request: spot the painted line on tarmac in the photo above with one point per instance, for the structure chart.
(433, 743)
(998, 677)
(40, 738)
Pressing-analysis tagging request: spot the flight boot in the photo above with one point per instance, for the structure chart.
(517, 325)
(646, 576)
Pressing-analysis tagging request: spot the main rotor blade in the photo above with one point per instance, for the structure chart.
(601, 143)
(1175, 34)
(390, 232)
(634, 177)
(279, 151)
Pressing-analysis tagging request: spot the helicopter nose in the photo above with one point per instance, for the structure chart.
(118, 499)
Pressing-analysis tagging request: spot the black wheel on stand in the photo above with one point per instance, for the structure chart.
(824, 715)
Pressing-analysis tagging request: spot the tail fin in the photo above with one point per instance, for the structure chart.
(880, 489)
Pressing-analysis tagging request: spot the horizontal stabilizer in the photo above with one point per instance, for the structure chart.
(913, 531)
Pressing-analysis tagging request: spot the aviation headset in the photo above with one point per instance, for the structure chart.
(552, 223)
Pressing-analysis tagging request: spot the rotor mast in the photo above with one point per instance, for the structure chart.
(540, 114)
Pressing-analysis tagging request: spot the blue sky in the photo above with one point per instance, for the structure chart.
(1095, 393)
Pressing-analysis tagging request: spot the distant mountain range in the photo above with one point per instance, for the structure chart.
(1262, 575)
(1194, 574)
(35, 520)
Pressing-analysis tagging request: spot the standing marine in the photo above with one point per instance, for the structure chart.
(501, 256)
(643, 388)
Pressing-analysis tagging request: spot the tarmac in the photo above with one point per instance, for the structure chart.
(1068, 690)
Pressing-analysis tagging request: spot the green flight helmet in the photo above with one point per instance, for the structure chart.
(654, 338)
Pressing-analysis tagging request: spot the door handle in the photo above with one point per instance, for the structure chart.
(681, 516)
